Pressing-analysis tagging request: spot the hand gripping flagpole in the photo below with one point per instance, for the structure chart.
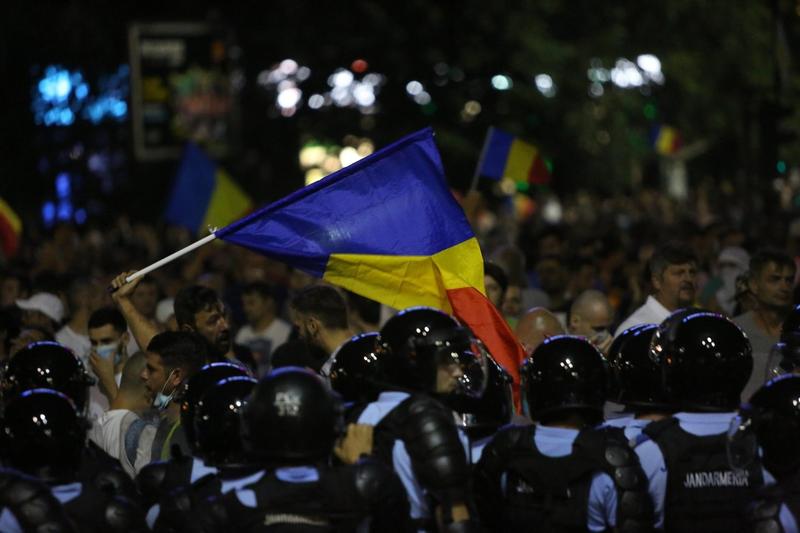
(170, 258)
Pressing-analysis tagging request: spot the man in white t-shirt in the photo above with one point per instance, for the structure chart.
(119, 430)
(673, 275)
(84, 297)
(264, 331)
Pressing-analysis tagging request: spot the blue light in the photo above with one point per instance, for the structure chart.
(65, 210)
(66, 117)
(63, 186)
(81, 91)
(48, 213)
(119, 108)
(80, 216)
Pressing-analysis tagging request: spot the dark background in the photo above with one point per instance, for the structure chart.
(730, 70)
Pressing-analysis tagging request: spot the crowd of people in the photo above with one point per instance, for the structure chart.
(228, 391)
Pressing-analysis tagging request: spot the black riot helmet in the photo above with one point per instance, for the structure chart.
(784, 356)
(292, 417)
(217, 421)
(355, 371)
(769, 421)
(417, 342)
(705, 360)
(481, 417)
(43, 435)
(565, 373)
(47, 365)
(635, 377)
(198, 384)
(791, 324)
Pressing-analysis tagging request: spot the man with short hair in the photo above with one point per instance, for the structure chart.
(108, 336)
(771, 282)
(128, 407)
(172, 358)
(536, 325)
(197, 309)
(591, 316)
(673, 275)
(319, 313)
(264, 331)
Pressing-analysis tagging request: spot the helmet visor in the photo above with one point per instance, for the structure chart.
(462, 367)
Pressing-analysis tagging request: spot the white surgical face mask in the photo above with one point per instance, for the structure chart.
(161, 401)
(108, 350)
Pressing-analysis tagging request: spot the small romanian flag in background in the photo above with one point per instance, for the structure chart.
(10, 230)
(666, 140)
(388, 228)
(507, 156)
(204, 194)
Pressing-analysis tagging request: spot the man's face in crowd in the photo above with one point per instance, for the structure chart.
(676, 286)
(307, 327)
(156, 376)
(105, 335)
(447, 375)
(212, 324)
(773, 286)
(36, 319)
(255, 306)
(493, 291)
(145, 299)
(594, 322)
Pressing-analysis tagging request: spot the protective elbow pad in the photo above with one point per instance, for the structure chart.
(436, 452)
(122, 514)
(151, 481)
(32, 503)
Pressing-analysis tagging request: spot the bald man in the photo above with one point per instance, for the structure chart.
(592, 316)
(535, 326)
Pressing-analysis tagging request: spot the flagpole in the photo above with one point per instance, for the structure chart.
(171, 257)
(484, 149)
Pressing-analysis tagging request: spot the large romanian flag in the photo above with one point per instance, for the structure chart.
(388, 228)
(505, 156)
(204, 194)
(10, 230)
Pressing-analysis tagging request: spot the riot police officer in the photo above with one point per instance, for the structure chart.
(704, 361)
(51, 365)
(354, 372)
(561, 474)
(425, 355)
(217, 444)
(289, 426)
(43, 435)
(770, 422)
(161, 478)
(784, 357)
(635, 381)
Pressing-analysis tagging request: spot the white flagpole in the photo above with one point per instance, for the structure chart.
(170, 258)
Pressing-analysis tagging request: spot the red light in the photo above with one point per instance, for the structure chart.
(359, 66)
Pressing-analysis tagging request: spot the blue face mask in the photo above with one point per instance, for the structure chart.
(107, 350)
(161, 401)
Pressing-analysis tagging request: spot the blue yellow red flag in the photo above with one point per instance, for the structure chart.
(388, 228)
(507, 156)
(204, 194)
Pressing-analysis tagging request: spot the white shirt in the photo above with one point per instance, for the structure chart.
(652, 312)
(106, 431)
